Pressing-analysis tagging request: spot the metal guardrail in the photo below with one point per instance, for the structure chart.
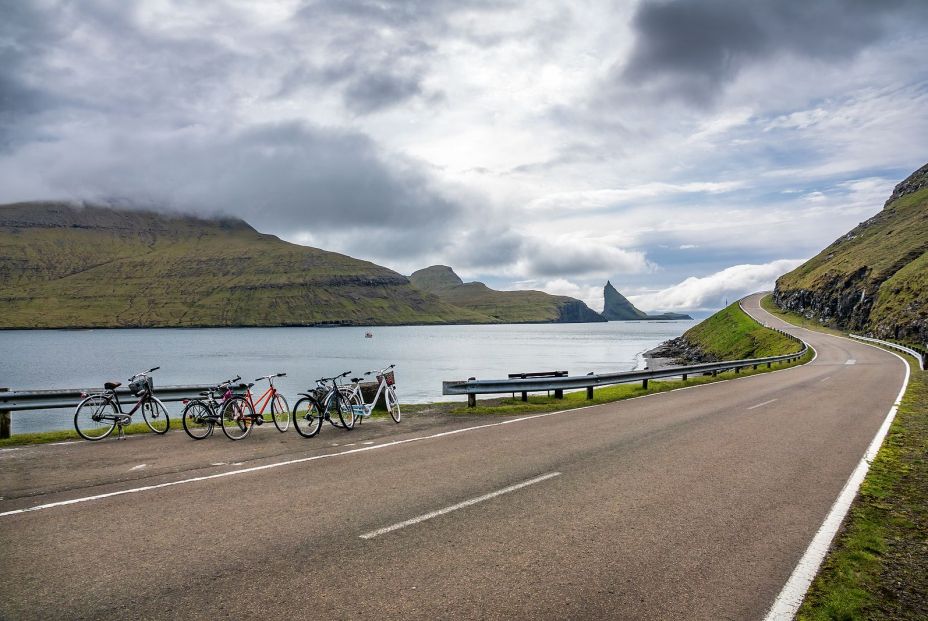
(473, 387)
(922, 360)
(21, 400)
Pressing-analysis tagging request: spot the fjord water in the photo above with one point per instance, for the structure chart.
(424, 355)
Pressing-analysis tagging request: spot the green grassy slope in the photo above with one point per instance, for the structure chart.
(731, 334)
(67, 266)
(501, 306)
(874, 278)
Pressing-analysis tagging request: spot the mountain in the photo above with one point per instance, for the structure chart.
(874, 279)
(501, 306)
(618, 308)
(66, 265)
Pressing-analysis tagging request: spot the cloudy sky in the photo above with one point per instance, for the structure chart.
(688, 150)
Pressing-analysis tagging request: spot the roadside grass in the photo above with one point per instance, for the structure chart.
(732, 334)
(877, 567)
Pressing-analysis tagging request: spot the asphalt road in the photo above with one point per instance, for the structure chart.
(693, 504)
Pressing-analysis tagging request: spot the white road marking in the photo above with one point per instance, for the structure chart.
(825, 379)
(17, 448)
(139, 467)
(850, 361)
(760, 405)
(369, 442)
(794, 591)
(460, 505)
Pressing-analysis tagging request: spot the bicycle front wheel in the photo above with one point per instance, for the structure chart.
(338, 408)
(238, 417)
(281, 413)
(197, 420)
(307, 417)
(95, 417)
(392, 404)
(156, 416)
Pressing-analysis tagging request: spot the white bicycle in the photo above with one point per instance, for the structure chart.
(386, 384)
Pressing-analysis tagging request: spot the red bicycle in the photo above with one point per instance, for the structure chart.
(246, 418)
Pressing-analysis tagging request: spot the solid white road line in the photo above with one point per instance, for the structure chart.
(760, 405)
(794, 591)
(460, 505)
(850, 361)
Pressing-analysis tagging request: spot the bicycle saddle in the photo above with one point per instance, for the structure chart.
(112, 385)
(355, 379)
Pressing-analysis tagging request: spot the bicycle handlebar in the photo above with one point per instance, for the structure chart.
(332, 379)
(269, 377)
(141, 373)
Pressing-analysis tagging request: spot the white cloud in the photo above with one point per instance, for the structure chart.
(591, 295)
(710, 291)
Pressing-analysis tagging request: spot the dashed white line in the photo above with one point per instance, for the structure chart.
(825, 379)
(850, 361)
(139, 467)
(460, 505)
(760, 405)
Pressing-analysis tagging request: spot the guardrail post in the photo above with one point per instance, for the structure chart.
(471, 398)
(684, 377)
(558, 393)
(755, 367)
(644, 384)
(589, 389)
(5, 421)
(737, 369)
(768, 365)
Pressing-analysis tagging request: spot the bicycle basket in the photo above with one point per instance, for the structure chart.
(389, 377)
(140, 385)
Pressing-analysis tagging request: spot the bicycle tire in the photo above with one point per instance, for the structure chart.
(156, 416)
(280, 412)
(309, 423)
(237, 417)
(337, 405)
(197, 420)
(90, 407)
(394, 408)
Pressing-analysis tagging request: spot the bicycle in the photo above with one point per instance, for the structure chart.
(386, 383)
(323, 403)
(280, 411)
(99, 413)
(200, 416)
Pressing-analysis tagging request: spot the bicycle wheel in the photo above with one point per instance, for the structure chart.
(95, 417)
(197, 420)
(156, 416)
(237, 417)
(307, 417)
(392, 404)
(281, 413)
(338, 408)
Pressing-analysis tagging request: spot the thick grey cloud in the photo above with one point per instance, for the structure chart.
(692, 48)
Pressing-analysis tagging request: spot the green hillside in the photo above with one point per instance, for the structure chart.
(501, 306)
(874, 278)
(731, 334)
(63, 265)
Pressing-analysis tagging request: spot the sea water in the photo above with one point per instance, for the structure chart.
(424, 356)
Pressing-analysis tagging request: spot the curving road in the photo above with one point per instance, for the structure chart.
(693, 504)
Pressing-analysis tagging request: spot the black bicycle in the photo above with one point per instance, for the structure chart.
(329, 403)
(98, 414)
(200, 416)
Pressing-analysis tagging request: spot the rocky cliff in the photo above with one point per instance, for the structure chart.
(874, 279)
(618, 308)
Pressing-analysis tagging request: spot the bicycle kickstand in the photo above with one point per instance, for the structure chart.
(121, 434)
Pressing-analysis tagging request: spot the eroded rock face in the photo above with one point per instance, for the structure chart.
(575, 311)
(681, 351)
(842, 301)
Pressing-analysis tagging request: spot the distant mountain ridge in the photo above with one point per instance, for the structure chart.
(618, 308)
(874, 279)
(501, 306)
(64, 265)
(69, 265)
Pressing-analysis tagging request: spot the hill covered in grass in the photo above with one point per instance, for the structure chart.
(64, 265)
(874, 279)
(501, 306)
(730, 334)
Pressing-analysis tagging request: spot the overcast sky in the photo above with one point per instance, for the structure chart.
(688, 150)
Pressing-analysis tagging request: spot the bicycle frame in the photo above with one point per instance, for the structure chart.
(264, 399)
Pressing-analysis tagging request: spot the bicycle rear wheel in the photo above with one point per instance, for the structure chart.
(237, 417)
(280, 411)
(197, 420)
(95, 417)
(338, 408)
(156, 416)
(392, 404)
(307, 417)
